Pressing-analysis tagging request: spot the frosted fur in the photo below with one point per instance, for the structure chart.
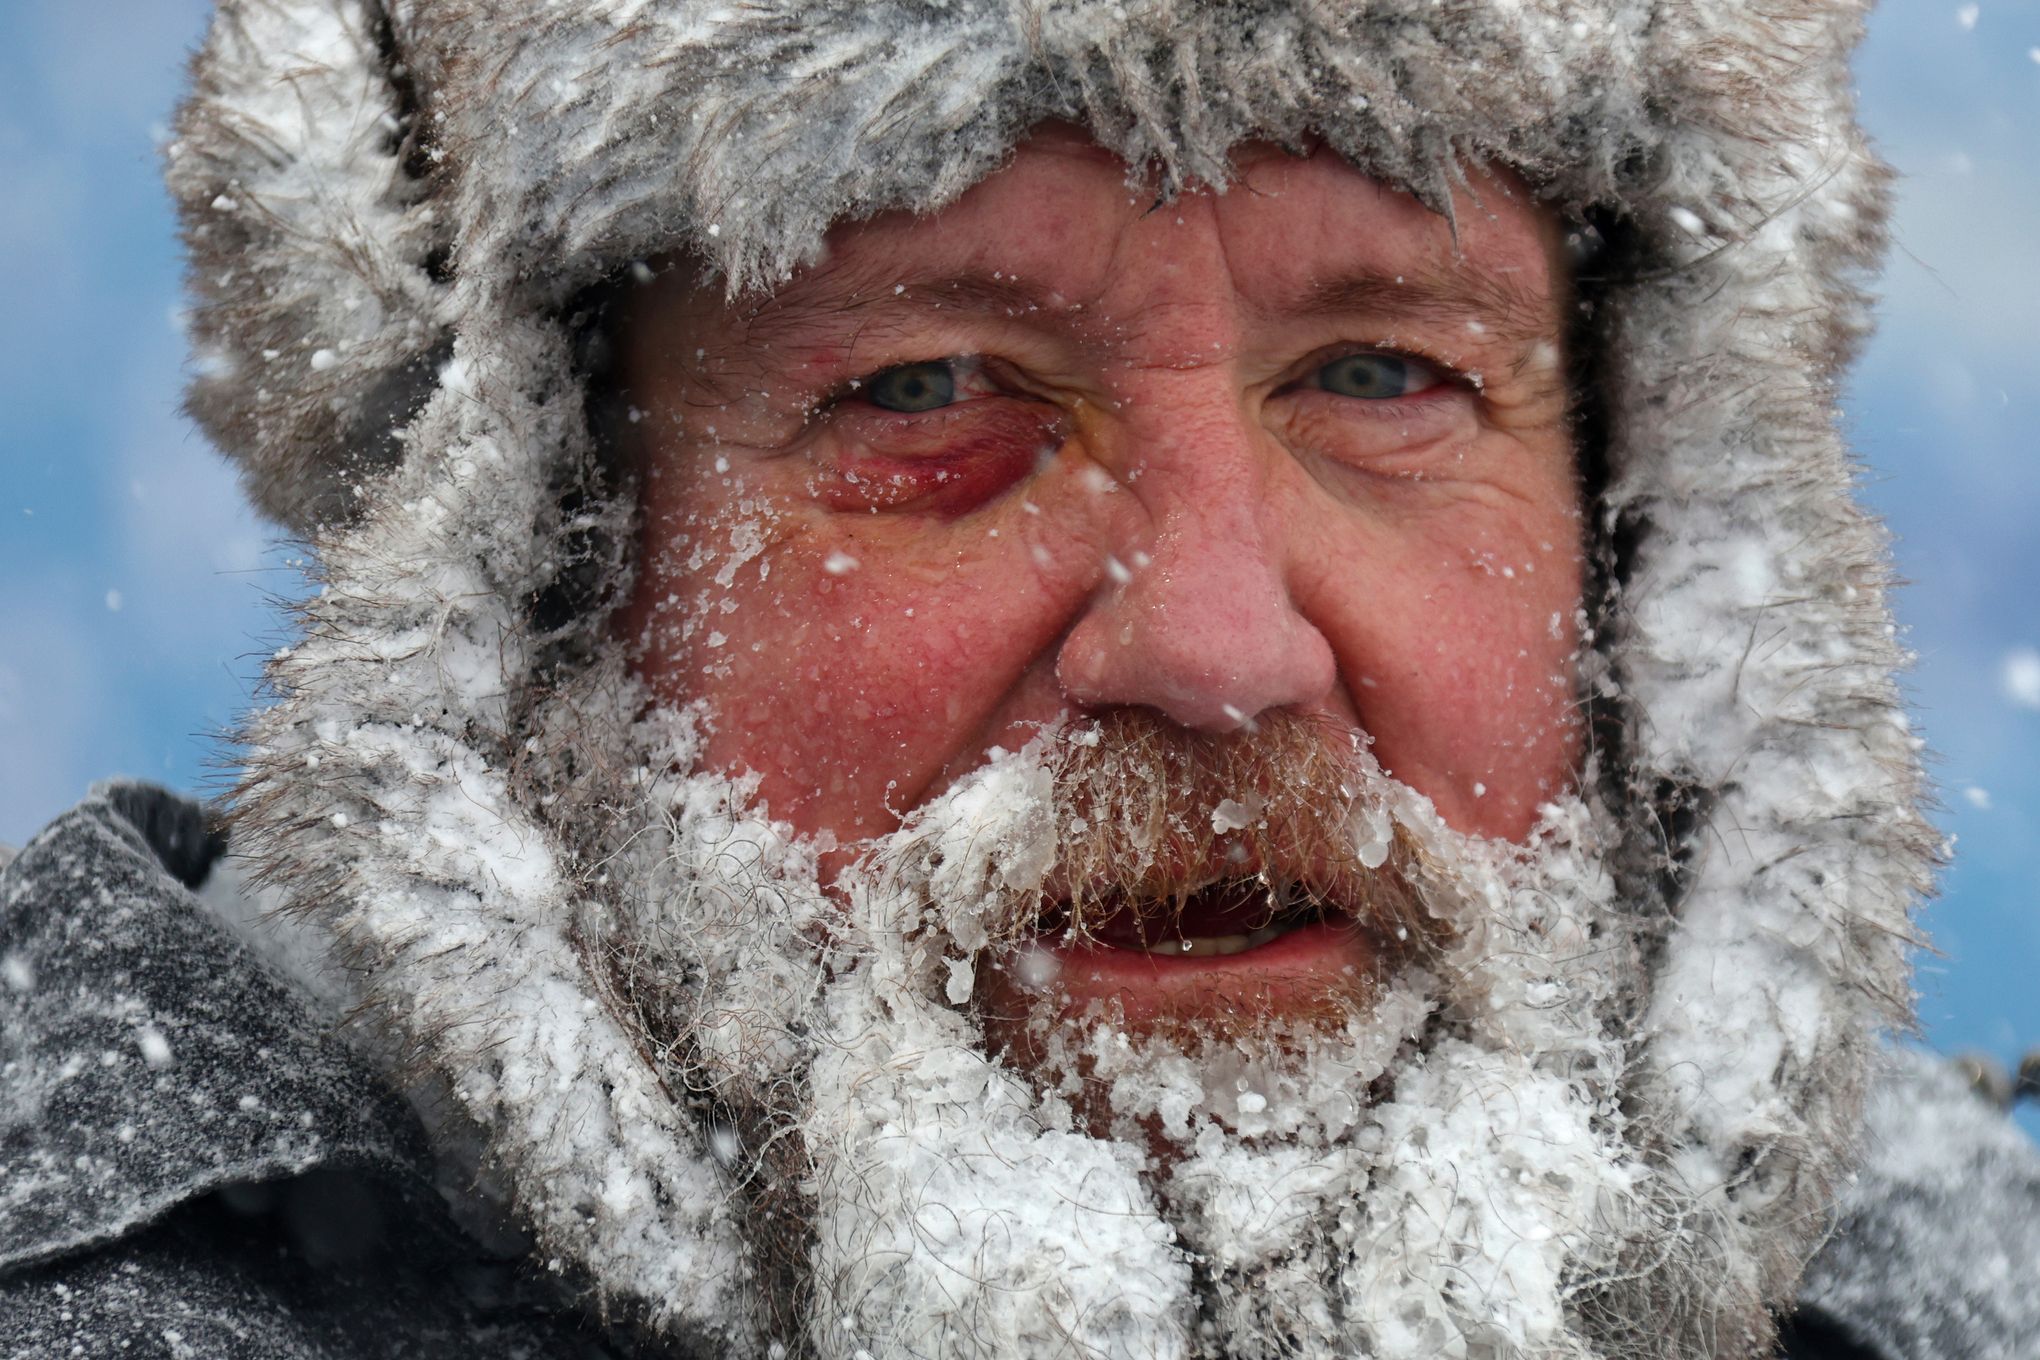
(455, 904)
(386, 217)
(309, 252)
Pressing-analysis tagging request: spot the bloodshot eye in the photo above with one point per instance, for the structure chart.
(913, 387)
(1369, 376)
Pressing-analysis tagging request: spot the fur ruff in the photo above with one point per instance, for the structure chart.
(389, 213)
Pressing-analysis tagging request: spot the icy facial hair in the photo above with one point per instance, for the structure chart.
(1446, 1172)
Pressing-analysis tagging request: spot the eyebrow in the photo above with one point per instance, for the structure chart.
(876, 298)
(1500, 302)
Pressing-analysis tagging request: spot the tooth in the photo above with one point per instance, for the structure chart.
(1223, 946)
(1211, 946)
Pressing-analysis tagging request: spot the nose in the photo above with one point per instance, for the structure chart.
(1198, 622)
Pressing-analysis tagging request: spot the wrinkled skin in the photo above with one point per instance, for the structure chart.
(1285, 448)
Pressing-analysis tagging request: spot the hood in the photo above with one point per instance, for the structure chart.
(392, 211)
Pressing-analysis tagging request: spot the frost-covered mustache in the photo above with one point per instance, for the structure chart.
(1149, 818)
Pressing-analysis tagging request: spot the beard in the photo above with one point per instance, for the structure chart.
(939, 1150)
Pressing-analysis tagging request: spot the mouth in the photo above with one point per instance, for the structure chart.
(1239, 948)
(1218, 921)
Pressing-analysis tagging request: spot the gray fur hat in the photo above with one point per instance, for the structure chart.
(391, 206)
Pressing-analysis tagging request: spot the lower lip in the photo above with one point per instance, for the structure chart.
(1288, 972)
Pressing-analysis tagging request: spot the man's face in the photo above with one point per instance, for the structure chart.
(1061, 452)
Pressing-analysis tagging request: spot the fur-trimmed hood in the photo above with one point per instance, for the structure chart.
(393, 207)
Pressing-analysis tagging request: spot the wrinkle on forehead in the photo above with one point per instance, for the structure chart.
(898, 268)
(1056, 249)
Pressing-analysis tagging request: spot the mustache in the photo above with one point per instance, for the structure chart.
(1150, 817)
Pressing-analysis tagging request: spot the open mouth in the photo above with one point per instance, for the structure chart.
(1237, 952)
(1222, 919)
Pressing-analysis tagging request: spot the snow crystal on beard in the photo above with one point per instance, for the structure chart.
(1443, 1173)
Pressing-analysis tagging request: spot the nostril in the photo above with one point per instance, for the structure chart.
(1209, 671)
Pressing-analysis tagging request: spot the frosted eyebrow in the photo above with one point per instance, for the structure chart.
(1501, 304)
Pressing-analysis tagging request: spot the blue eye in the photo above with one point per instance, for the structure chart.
(1374, 377)
(913, 387)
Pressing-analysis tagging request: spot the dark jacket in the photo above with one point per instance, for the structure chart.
(193, 1165)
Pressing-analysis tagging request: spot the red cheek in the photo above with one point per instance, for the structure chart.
(944, 468)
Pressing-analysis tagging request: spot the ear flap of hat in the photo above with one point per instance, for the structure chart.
(303, 172)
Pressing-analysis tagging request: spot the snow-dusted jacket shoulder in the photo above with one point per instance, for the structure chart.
(191, 1162)
(1937, 1246)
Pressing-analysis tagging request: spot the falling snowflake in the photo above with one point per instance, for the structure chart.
(2021, 677)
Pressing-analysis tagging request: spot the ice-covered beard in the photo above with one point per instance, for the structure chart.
(1434, 1163)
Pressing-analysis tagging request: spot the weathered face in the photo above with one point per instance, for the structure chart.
(1060, 452)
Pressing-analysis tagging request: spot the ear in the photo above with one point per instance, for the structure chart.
(304, 175)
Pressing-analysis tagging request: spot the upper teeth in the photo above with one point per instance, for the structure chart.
(1217, 946)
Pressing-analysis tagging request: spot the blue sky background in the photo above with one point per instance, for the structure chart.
(136, 590)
